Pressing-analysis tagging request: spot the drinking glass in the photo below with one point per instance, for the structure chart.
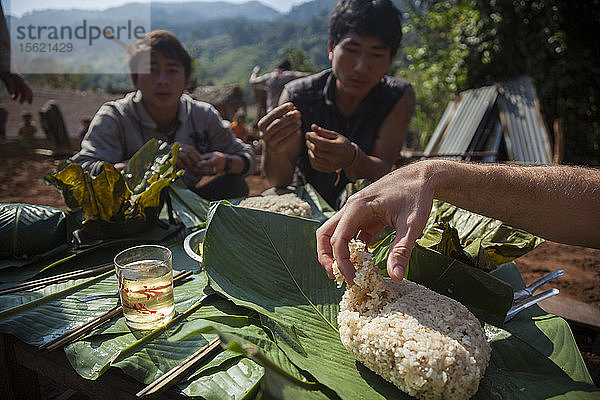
(145, 278)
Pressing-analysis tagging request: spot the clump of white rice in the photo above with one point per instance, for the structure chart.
(288, 204)
(428, 345)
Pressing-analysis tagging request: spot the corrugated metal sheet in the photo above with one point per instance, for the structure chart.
(434, 141)
(523, 123)
(464, 119)
(471, 120)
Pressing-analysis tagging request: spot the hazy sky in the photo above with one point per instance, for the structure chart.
(19, 7)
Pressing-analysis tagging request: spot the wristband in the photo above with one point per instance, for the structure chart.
(355, 156)
(246, 164)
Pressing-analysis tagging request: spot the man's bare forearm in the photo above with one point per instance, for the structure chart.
(559, 203)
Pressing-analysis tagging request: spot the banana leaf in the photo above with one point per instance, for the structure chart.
(144, 360)
(188, 206)
(65, 258)
(502, 242)
(284, 283)
(486, 296)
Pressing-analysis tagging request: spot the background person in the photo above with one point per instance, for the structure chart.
(159, 109)
(14, 83)
(53, 125)
(558, 203)
(347, 122)
(83, 128)
(27, 131)
(274, 82)
(238, 125)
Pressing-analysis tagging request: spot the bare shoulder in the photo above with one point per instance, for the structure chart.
(404, 108)
(392, 132)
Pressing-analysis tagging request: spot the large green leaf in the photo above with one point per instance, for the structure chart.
(277, 382)
(517, 370)
(549, 334)
(65, 258)
(267, 262)
(271, 267)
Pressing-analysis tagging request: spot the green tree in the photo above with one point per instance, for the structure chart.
(555, 43)
(461, 44)
(442, 33)
(298, 60)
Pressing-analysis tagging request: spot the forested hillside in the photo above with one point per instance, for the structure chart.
(225, 39)
(448, 46)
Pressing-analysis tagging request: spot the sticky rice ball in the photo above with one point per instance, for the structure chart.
(428, 345)
(288, 204)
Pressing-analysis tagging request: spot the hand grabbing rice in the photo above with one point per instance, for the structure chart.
(428, 345)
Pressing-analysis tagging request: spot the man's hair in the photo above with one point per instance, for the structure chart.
(367, 18)
(165, 43)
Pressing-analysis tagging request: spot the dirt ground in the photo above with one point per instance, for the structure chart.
(20, 181)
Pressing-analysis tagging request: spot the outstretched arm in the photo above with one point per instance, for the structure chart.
(15, 84)
(559, 203)
(280, 132)
(18, 88)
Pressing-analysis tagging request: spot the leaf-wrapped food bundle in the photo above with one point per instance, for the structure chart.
(26, 229)
(118, 204)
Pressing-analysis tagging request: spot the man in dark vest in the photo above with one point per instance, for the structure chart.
(54, 127)
(348, 122)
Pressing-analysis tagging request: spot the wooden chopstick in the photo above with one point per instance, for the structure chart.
(175, 373)
(92, 324)
(81, 330)
(57, 278)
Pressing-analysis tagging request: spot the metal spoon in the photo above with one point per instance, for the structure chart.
(529, 290)
(514, 310)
